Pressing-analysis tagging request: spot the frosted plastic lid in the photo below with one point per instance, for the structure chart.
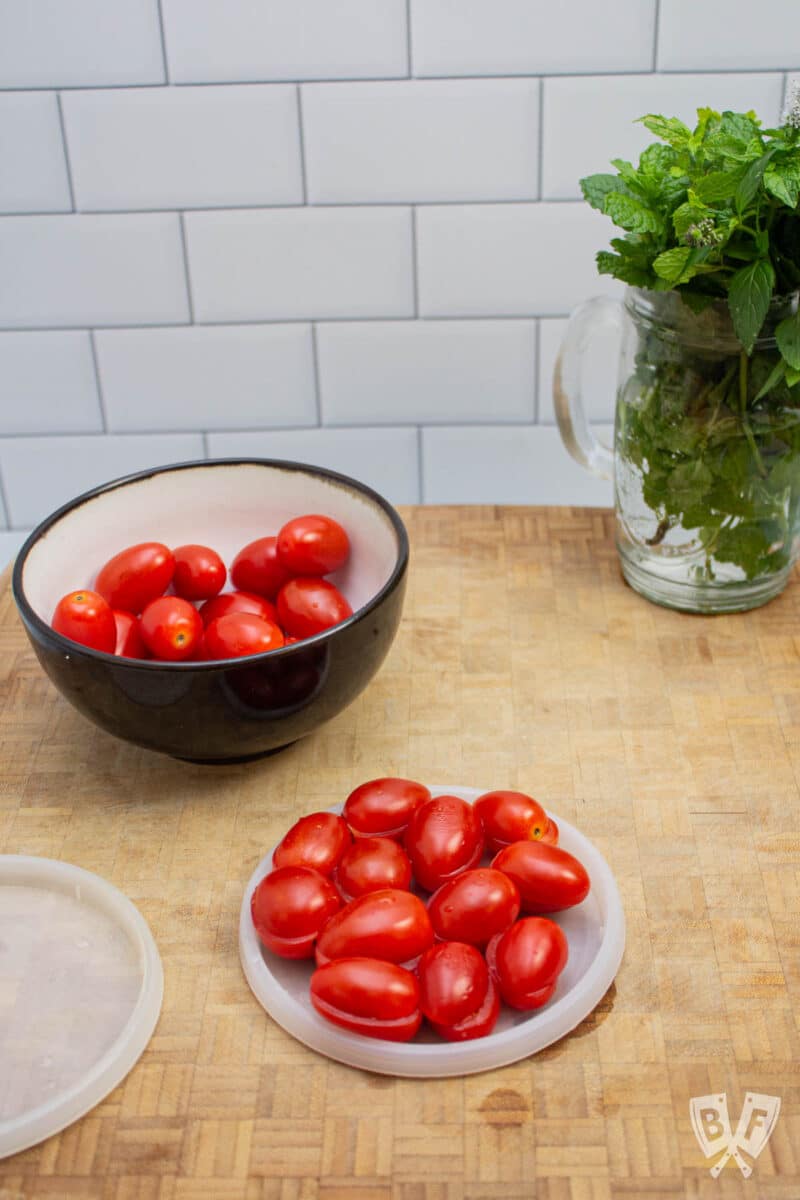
(81, 986)
(595, 932)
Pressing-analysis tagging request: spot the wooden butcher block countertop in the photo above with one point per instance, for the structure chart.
(522, 661)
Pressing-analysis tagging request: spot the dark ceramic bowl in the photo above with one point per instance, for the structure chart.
(235, 708)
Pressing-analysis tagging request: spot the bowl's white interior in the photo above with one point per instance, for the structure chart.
(223, 506)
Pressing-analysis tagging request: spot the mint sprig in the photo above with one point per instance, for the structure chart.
(712, 212)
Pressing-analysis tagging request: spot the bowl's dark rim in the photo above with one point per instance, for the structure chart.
(68, 646)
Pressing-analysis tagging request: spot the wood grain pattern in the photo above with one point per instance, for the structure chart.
(522, 661)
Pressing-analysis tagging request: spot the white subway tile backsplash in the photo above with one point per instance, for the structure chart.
(522, 464)
(284, 263)
(519, 37)
(388, 372)
(590, 120)
(231, 377)
(193, 147)
(83, 270)
(422, 140)
(385, 459)
(48, 384)
(229, 40)
(724, 35)
(599, 372)
(41, 473)
(34, 173)
(55, 43)
(509, 260)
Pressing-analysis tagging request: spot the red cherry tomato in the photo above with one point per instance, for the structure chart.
(457, 993)
(313, 545)
(199, 572)
(370, 864)
(240, 634)
(443, 838)
(290, 906)
(388, 924)
(257, 568)
(129, 637)
(477, 1024)
(527, 960)
(85, 617)
(368, 996)
(547, 877)
(383, 807)
(199, 654)
(307, 606)
(230, 602)
(474, 906)
(550, 835)
(171, 628)
(318, 840)
(134, 577)
(510, 817)
(453, 979)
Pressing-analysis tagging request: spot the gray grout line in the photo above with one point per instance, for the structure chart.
(302, 136)
(268, 321)
(533, 74)
(530, 201)
(540, 159)
(98, 382)
(163, 41)
(421, 465)
(187, 272)
(409, 51)
(66, 150)
(414, 260)
(315, 366)
(375, 427)
(206, 451)
(656, 32)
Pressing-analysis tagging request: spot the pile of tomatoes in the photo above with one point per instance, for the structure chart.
(281, 597)
(340, 892)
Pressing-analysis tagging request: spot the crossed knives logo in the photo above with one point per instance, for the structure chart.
(712, 1128)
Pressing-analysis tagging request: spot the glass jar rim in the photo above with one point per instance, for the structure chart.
(670, 317)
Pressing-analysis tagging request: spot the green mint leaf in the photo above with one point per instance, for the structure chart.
(783, 185)
(669, 129)
(792, 376)
(685, 216)
(673, 265)
(595, 188)
(748, 186)
(787, 335)
(716, 186)
(657, 160)
(621, 268)
(748, 299)
(774, 377)
(631, 214)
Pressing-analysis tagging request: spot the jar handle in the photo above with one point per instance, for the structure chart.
(592, 317)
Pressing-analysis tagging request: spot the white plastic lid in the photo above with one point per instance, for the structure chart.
(595, 932)
(81, 986)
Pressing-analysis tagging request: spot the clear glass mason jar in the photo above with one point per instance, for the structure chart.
(706, 457)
